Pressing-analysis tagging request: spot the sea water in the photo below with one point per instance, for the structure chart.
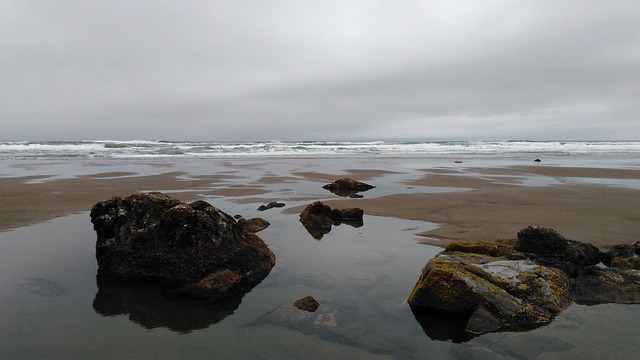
(188, 149)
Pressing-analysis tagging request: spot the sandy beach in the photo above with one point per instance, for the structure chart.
(469, 201)
(48, 266)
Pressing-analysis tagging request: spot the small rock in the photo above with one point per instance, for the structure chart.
(307, 304)
(318, 218)
(270, 206)
(348, 187)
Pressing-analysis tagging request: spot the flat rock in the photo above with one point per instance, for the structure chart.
(347, 187)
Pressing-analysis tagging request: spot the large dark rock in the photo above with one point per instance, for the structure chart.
(318, 218)
(549, 248)
(540, 240)
(519, 284)
(194, 250)
(498, 293)
(347, 187)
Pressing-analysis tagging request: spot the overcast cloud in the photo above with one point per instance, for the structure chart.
(292, 69)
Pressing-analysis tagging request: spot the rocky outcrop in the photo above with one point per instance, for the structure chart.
(347, 187)
(498, 292)
(600, 285)
(307, 303)
(318, 218)
(524, 283)
(193, 250)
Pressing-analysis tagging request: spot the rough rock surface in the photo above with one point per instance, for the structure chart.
(524, 283)
(318, 218)
(195, 250)
(498, 292)
(307, 303)
(549, 248)
(599, 285)
(625, 256)
(347, 187)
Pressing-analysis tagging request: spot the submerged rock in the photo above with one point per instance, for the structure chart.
(42, 287)
(347, 187)
(194, 250)
(318, 218)
(341, 323)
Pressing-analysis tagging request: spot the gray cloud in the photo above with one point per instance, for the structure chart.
(248, 70)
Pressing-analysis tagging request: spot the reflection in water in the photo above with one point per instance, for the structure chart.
(347, 193)
(443, 325)
(318, 232)
(343, 323)
(148, 306)
(42, 287)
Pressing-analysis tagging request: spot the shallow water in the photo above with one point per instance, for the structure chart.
(51, 307)
(48, 304)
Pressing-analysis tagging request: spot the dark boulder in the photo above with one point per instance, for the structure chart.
(540, 241)
(549, 248)
(347, 187)
(194, 250)
(318, 218)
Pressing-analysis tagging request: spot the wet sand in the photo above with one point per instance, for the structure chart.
(592, 204)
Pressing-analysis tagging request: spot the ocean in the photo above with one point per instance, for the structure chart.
(111, 149)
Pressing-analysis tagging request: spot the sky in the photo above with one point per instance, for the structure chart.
(319, 70)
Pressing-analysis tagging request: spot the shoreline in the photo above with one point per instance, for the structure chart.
(484, 200)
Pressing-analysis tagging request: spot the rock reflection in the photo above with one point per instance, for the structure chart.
(319, 232)
(148, 306)
(443, 325)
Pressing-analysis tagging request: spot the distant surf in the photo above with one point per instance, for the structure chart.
(111, 149)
